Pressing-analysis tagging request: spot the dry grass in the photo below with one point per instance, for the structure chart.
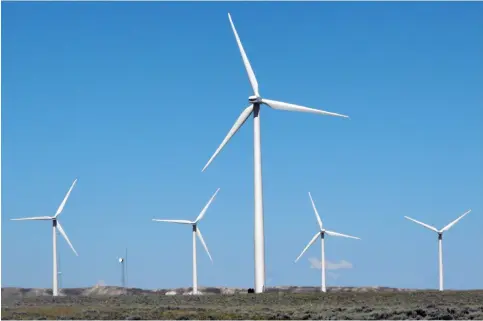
(308, 306)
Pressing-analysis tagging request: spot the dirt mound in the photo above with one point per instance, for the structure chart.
(103, 290)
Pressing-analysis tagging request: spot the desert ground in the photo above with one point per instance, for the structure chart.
(289, 303)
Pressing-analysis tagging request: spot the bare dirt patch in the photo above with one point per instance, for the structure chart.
(275, 305)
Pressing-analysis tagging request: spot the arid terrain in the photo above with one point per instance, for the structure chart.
(306, 303)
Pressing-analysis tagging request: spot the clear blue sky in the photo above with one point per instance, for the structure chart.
(133, 98)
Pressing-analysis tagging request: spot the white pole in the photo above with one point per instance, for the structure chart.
(258, 228)
(55, 291)
(323, 261)
(59, 273)
(440, 245)
(195, 276)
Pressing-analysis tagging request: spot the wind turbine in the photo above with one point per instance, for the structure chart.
(196, 232)
(254, 108)
(440, 241)
(56, 226)
(322, 233)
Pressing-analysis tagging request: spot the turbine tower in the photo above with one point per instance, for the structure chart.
(56, 226)
(196, 232)
(322, 233)
(59, 272)
(254, 108)
(123, 270)
(440, 241)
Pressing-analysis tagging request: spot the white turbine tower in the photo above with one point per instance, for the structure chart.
(196, 232)
(440, 241)
(322, 233)
(255, 102)
(56, 226)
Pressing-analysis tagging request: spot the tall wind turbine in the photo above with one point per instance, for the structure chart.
(440, 241)
(322, 233)
(56, 226)
(255, 102)
(196, 232)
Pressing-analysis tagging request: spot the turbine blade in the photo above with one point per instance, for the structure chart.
(38, 218)
(447, 227)
(316, 213)
(308, 245)
(239, 122)
(174, 221)
(248, 67)
(202, 214)
(200, 236)
(331, 233)
(61, 207)
(291, 107)
(432, 228)
(61, 230)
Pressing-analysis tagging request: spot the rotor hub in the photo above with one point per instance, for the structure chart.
(254, 100)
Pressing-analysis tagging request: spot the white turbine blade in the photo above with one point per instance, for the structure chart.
(239, 122)
(61, 207)
(248, 67)
(315, 210)
(308, 245)
(432, 228)
(38, 218)
(174, 221)
(61, 230)
(206, 207)
(198, 232)
(291, 107)
(447, 227)
(331, 233)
